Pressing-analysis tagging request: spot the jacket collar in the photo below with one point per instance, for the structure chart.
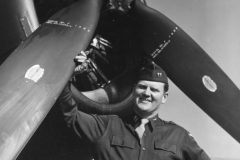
(134, 120)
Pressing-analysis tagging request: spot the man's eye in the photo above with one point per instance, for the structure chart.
(141, 87)
(155, 90)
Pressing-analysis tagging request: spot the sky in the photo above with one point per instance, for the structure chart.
(214, 25)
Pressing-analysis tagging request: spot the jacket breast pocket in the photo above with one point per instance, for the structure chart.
(122, 147)
(165, 150)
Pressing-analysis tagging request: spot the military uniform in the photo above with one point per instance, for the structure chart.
(114, 138)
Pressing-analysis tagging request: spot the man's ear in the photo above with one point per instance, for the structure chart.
(164, 98)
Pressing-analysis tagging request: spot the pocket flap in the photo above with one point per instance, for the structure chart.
(123, 141)
(166, 146)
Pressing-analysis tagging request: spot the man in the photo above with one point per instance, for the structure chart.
(140, 136)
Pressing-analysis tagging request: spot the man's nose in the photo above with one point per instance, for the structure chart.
(147, 91)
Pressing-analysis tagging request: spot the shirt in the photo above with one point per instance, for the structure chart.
(114, 137)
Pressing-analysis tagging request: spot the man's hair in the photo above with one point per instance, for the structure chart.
(166, 87)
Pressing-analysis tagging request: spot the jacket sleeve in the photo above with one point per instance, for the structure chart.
(192, 151)
(87, 126)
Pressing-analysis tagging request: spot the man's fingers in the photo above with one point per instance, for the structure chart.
(80, 58)
(83, 53)
(79, 69)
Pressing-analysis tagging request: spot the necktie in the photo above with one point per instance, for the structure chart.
(140, 129)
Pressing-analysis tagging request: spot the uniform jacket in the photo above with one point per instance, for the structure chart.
(114, 137)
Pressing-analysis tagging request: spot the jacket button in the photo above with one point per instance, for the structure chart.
(144, 149)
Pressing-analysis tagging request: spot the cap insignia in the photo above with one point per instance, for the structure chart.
(159, 75)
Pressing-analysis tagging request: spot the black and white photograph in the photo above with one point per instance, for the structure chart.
(119, 80)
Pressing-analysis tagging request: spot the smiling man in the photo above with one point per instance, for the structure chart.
(140, 136)
(150, 91)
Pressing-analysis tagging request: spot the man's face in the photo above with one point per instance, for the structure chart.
(149, 96)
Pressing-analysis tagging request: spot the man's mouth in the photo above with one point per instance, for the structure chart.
(142, 99)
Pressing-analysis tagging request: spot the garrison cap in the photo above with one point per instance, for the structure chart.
(153, 72)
